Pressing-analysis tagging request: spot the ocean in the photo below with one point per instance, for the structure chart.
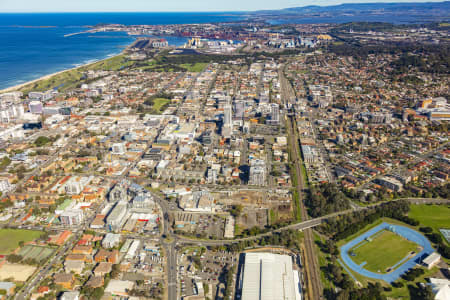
(33, 45)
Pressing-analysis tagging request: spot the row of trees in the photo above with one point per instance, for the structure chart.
(15, 258)
(437, 239)
(344, 226)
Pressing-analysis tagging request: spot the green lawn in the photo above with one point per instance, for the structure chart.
(71, 78)
(384, 251)
(62, 81)
(197, 67)
(159, 103)
(10, 238)
(273, 216)
(112, 64)
(434, 216)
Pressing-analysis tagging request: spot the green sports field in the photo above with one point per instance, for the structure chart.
(384, 251)
(10, 238)
(434, 216)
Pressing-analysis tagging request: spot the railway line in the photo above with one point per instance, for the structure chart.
(313, 281)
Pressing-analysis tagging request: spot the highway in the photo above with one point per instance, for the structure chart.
(172, 271)
(168, 243)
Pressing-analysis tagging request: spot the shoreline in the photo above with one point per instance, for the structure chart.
(45, 77)
(48, 76)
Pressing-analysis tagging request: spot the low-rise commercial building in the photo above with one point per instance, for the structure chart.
(269, 276)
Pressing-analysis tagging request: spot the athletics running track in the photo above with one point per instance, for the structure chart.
(390, 277)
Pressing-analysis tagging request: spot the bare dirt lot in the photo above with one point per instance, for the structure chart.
(16, 271)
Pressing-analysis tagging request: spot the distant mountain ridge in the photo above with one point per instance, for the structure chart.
(424, 8)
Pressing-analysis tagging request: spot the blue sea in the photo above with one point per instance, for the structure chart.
(28, 50)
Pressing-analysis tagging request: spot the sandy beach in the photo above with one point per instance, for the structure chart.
(19, 86)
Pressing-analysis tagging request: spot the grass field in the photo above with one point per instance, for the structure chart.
(62, 81)
(197, 67)
(159, 103)
(71, 78)
(114, 63)
(434, 216)
(384, 251)
(10, 238)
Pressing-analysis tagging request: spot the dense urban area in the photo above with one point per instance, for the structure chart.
(255, 162)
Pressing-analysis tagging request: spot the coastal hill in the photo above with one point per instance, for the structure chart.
(426, 11)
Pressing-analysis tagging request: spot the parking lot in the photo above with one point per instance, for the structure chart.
(195, 264)
(201, 225)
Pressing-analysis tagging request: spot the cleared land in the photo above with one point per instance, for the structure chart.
(17, 272)
(10, 238)
(384, 251)
(434, 216)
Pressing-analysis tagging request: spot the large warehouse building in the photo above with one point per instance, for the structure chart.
(268, 276)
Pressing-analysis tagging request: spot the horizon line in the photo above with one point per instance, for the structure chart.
(129, 11)
(222, 11)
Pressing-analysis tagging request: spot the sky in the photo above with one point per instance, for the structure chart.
(163, 5)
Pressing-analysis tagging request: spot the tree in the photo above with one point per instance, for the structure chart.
(325, 199)
(14, 258)
(4, 163)
(435, 237)
(419, 292)
(412, 274)
(115, 271)
(97, 293)
(426, 229)
(42, 141)
(236, 210)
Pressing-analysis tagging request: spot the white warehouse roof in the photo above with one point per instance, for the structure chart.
(268, 276)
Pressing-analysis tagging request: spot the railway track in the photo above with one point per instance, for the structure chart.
(314, 283)
(312, 266)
